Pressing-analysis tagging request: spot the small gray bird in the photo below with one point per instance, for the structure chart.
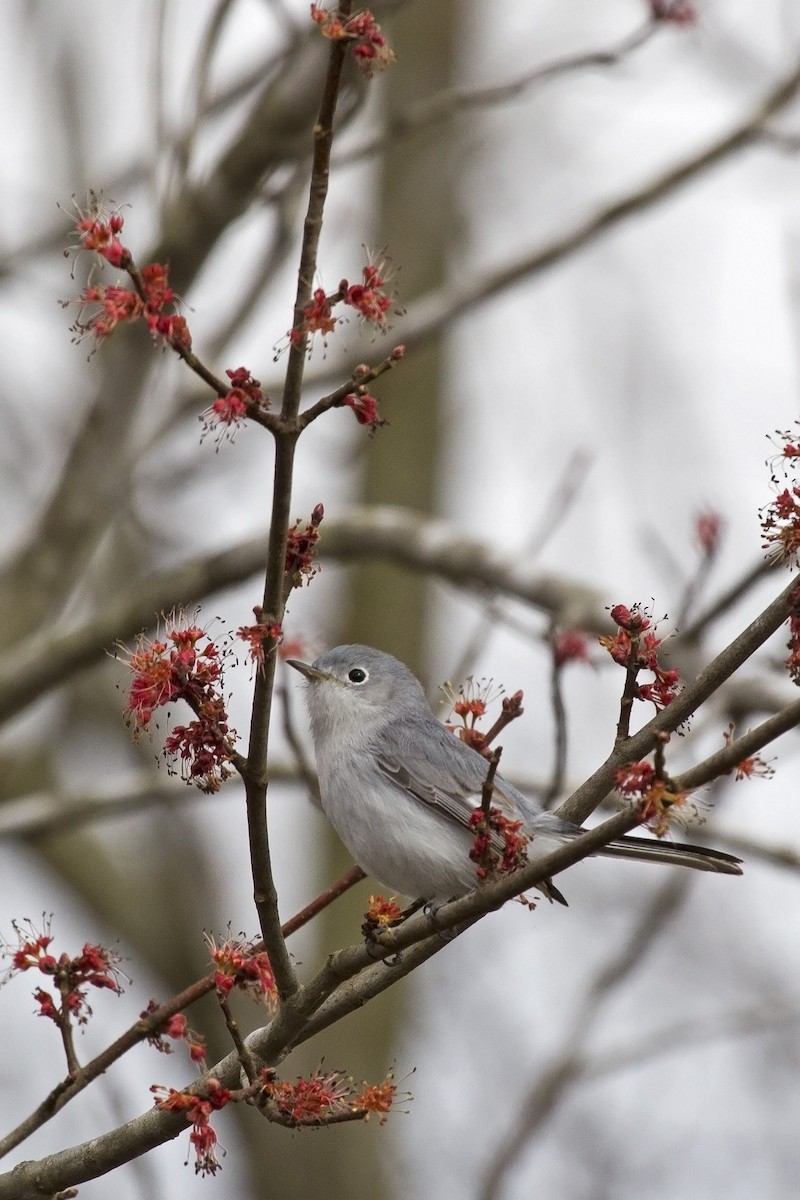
(399, 788)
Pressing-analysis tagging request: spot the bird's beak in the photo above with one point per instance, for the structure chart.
(311, 673)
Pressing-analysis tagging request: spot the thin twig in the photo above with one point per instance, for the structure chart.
(245, 1057)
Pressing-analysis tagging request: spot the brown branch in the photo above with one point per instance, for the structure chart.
(487, 788)
(245, 1057)
(150, 1025)
(275, 590)
(357, 379)
(717, 608)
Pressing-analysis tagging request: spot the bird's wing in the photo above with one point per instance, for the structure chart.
(442, 772)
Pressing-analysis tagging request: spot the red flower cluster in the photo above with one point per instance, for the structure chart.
(312, 1100)
(793, 644)
(636, 644)
(307, 1101)
(198, 1109)
(177, 1028)
(233, 406)
(570, 645)
(492, 832)
(317, 316)
(100, 232)
(236, 966)
(708, 531)
(381, 914)
(370, 48)
(659, 803)
(365, 409)
(780, 524)
(118, 305)
(369, 298)
(258, 635)
(469, 703)
(95, 966)
(376, 1098)
(300, 547)
(752, 767)
(164, 673)
(635, 779)
(152, 298)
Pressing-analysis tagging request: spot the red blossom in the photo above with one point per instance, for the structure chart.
(634, 779)
(618, 646)
(197, 1109)
(117, 305)
(238, 966)
(636, 646)
(499, 843)
(177, 1028)
(369, 45)
(317, 316)
(369, 298)
(633, 620)
(300, 545)
(99, 232)
(570, 645)
(227, 410)
(152, 298)
(780, 524)
(376, 1098)
(95, 966)
(381, 914)
(751, 767)
(309, 1100)
(174, 330)
(365, 409)
(185, 671)
(708, 531)
(660, 806)
(257, 635)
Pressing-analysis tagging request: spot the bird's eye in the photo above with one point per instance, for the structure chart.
(357, 675)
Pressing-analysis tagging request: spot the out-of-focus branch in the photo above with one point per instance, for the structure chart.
(567, 1066)
(398, 535)
(427, 316)
(722, 604)
(751, 848)
(97, 469)
(445, 104)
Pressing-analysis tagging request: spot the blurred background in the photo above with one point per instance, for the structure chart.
(570, 403)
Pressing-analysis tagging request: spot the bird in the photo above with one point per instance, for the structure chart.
(399, 788)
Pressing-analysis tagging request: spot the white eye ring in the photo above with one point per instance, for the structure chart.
(358, 676)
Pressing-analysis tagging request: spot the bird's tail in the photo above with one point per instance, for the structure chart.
(676, 853)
